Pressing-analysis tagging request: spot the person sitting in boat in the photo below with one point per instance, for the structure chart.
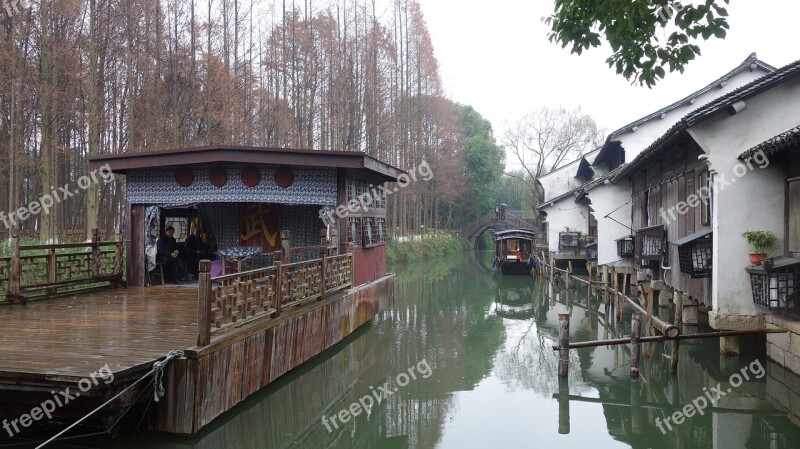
(496, 262)
(519, 256)
(168, 255)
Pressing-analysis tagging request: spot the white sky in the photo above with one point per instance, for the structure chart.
(497, 58)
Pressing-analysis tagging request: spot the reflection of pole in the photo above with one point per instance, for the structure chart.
(563, 344)
(635, 345)
(563, 406)
(636, 422)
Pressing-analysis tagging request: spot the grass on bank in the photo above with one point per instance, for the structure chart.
(435, 245)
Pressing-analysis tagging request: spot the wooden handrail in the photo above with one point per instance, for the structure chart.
(262, 293)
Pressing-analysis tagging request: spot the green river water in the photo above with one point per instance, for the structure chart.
(464, 359)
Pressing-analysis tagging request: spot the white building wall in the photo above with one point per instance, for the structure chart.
(560, 181)
(752, 198)
(605, 199)
(565, 215)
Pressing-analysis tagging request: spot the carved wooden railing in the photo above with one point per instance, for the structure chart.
(59, 268)
(237, 299)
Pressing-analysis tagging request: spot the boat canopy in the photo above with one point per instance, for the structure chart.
(515, 234)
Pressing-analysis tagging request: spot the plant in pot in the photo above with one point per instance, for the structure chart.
(759, 241)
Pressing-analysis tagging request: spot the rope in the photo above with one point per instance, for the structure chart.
(157, 371)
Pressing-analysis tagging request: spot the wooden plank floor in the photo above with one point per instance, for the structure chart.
(77, 335)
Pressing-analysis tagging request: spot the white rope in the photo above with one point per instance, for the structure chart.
(157, 371)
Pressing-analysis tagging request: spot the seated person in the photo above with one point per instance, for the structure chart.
(168, 255)
(195, 251)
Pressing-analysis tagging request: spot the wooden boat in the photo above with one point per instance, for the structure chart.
(513, 249)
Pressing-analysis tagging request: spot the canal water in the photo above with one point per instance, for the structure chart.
(464, 359)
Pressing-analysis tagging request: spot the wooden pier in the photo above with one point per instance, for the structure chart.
(237, 333)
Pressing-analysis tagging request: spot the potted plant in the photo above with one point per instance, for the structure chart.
(759, 241)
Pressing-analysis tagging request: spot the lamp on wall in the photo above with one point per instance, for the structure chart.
(694, 254)
(779, 287)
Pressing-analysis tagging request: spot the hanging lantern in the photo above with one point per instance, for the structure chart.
(694, 254)
(779, 287)
(625, 246)
(591, 252)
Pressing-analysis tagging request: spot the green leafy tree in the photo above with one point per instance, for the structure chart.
(484, 160)
(633, 28)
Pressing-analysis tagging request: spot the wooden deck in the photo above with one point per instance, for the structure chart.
(74, 336)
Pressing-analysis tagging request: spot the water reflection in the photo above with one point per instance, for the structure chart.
(488, 339)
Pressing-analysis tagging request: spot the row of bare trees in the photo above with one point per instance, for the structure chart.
(85, 77)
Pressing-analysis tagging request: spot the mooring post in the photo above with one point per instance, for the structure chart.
(563, 344)
(676, 345)
(563, 406)
(204, 304)
(52, 270)
(635, 345)
(569, 274)
(277, 261)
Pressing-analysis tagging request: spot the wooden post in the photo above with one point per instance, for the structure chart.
(52, 270)
(563, 345)
(204, 296)
(617, 299)
(351, 249)
(569, 274)
(14, 287)
(239, 265)
(635, 345)
(676, 345)
(118, 254)
(323, 255)
(286, 246)
(277, 260)
(563, 406)
(95, 253)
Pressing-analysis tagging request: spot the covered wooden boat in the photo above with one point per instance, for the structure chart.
(513, 250)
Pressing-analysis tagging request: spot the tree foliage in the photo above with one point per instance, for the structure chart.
(546, 139)
(646, 37)
(484, 161)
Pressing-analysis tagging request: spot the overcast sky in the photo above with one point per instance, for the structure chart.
(497, 58)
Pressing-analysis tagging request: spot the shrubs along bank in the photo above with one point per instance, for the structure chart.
(433, 245)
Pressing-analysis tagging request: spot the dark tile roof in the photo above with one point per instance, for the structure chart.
(776, 144)
(762, 84)
(750, 63)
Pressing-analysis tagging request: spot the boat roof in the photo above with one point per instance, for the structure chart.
(515, 233)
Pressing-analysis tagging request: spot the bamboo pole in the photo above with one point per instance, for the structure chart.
(563, 406)
(659, 338)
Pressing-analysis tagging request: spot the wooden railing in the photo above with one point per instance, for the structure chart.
(59, 268)
(240, 298)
